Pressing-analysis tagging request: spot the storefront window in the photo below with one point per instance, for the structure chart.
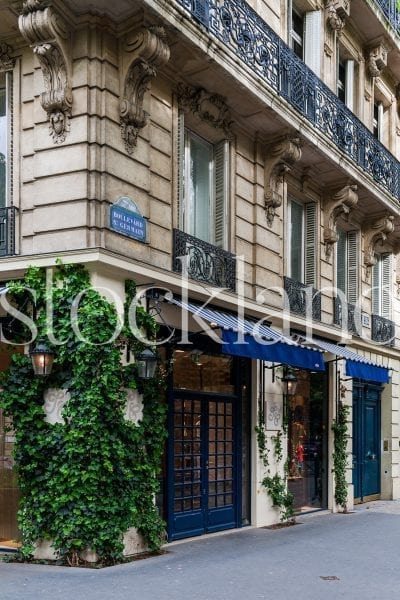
(195, 370)
(307, 445)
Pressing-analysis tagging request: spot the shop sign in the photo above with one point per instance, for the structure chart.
(127, 219)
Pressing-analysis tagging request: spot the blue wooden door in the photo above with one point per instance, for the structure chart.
(203, 473)
(366, 440)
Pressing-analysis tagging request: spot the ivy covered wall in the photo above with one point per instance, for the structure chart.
(86, 481)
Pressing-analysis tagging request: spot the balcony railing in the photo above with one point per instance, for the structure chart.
(302, 299)
(7, 231)
(347, 316)
(203, 261)
(242, 30)
(382, 330)
(391, 12)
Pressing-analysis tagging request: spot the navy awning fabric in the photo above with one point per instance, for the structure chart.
(254, 339)
(356, 365)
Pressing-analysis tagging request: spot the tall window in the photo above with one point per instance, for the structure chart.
(381, 286)
(305, 35)
(5, 86)
(347, 262)
(203, 187)
(302, 242)
(345, 82)
(377, 121)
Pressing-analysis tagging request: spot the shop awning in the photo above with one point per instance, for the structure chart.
(253, 339)
(356, 365)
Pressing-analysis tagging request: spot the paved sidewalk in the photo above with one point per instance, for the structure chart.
(325, 557)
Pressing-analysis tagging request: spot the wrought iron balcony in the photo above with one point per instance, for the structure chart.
(203, 261)
(382, 330)
(348, 316)
(241, 29)
(302, 299)
(391, 12)
(7, 231)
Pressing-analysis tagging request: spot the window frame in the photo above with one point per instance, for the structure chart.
(379, 281)
(8, 87)
(308, 246)
(352, 287)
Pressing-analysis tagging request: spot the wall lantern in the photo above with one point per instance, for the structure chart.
(289, 381)
(146, 363)
(42, 359)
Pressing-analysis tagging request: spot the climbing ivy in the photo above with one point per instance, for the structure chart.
(340, 456)
(84, 482)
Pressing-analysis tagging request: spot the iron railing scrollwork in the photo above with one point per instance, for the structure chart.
(382, 330)
(244, 32)
(203, 261)
(7, 231)
(302, 299)
(347, 316)
(391, 12)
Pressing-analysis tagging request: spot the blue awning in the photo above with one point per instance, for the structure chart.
(254, 339)
(356, 365)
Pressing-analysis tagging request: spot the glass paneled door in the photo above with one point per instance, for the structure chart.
(204, 484)
(9, 494)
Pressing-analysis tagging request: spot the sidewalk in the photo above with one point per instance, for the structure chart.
(325, 556)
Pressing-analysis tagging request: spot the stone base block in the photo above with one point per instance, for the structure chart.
(44, 551)
(134, 542)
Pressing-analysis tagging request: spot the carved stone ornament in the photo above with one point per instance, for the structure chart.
(49, 37)
(279, 160)
(7, 63)
(375, 234)
(376, 59)
(210, 108)
(143, 54)
(337, 11)
(337, 204)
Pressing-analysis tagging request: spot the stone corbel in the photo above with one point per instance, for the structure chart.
(279, 160)
(374, 234)
(337, 12)
(337, 204)
(376, 59)
(210, 108)
(142, 55)
(7, 63)
(49, 37)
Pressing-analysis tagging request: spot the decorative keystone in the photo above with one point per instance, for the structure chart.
(210, 108)
(376, 59)
(374, 234)
(49, 37)
(142, 55)
(7, 62)
(337, 204)
(337, 12)
(279, 160)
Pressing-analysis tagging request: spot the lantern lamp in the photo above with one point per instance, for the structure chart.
(146, 363)
(42, 359)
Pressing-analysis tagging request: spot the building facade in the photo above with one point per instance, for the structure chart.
(238, 161)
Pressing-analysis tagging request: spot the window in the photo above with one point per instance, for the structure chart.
(203, 187)
(377, 121)
(302, 242)
(381, 286)
(345, 82)
(347, 265)
(305, 36)
(5, 87)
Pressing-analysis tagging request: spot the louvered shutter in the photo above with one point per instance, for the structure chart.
(376, 287)
(386, 261)
(352, 267)
(350, 84)
(181, 171)
(341, 262)
(221, 164)
(312, 41)
(310, 243)
(296, 241)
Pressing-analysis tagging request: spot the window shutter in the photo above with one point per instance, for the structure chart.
(386, 261)
(350, 84)
(221, 164)
(380, 121)
(296, 241)
(312, 42)
(310, 243)
(352, 267)
(376, 287)
(341, 262)
(181, 171)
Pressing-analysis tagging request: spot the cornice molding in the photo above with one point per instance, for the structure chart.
(49, 36)
(279, 159)
(142, 55)
(210, 108)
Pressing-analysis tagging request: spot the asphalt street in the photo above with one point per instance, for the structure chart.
(325, 556)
